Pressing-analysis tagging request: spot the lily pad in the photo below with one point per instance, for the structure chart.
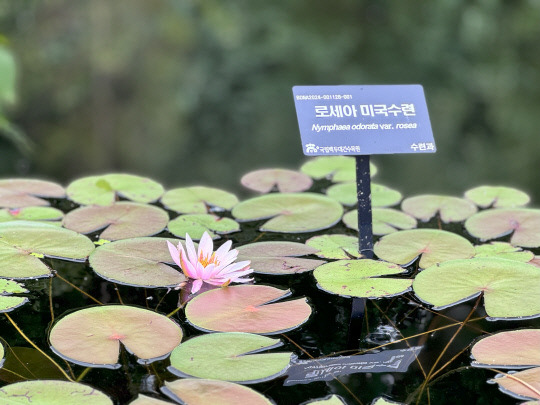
(140, 262)
(105, 189)
(385, 220)
(285, 181)
(247, 308)
(7, 302)
(511, 289)
(336, 168)
(18, 193)
(229, 357)
(432, 245)
(497, 197)
(359, 278)
(210, 392)
(121, 220)
(198, 199)
(381, 196)
(290, 213)
(144, 400)
(522, 223)
(334, 246)
(31, 214)
(523, 384)
(510, 349)
(197, 224)
(503, 250)
(450, 209)
(385, 401)
(22, 241)
(91, 337)
(278, 257)
(52, 392)
(330, 400)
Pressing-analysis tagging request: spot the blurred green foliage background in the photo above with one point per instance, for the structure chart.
(199, 92)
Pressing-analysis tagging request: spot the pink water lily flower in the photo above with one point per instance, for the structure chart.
(205, 265)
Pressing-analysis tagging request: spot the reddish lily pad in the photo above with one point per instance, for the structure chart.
(334, 246)
(121, 220)
(278, 257)
(523, 223)
(336, 168)
(22, 241)
(210, 392)
(511, 289)
(360, 278)
(144, 400)
(139, 262)
(52, 392)
(105, 189)
(92, 336)
(523, 385)
(18, 193)
(290, 213)
(247, 308)
(450, 209)
(229, 357)
(385, 220)
(503, 250)
(197, 224)
(31, 214)
(432, 245)
(198, 200)
(8, 302)
(510, 349)
(285, 181)
(497, 197)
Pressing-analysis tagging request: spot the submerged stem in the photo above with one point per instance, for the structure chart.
(78, 289)
(37, 348)
(83, 374)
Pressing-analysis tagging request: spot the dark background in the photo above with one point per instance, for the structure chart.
(199, 92)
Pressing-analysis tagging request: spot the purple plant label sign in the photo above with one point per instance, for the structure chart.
(363, 120)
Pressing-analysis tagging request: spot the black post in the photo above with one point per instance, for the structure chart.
(365, 243)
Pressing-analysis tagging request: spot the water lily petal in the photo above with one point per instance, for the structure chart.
(223, 249)
(228, 258)
(197, 284)
(235, 267)
(206, 246)
(175, 254)
(188, 268)
(192, 254)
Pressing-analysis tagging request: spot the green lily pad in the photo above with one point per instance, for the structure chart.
(121, 220)
(523, 384)
(432, 245)
(497, 197)
(290, 213)
(92, 336)
(144, 400)
(385, 401)
(381, 196)
(229, 357)
(247, 308)
(18, 193)
(139, 262)
(278, 257)
(385, 220)
(358, 278)
(503, 250)
(450, 209)
(511, 349)
(511, 289)
(22, 241)
(31, 214)
(334, 246)
(524, 223)
(25, 363)
(104, 190)
(198, 199)
(330, 400)
(210, 392)
(197, 224)
(7, 302)
(285, 181)
(52, 392)
(336, 168)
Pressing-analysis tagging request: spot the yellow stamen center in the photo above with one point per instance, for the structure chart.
(205, 260)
